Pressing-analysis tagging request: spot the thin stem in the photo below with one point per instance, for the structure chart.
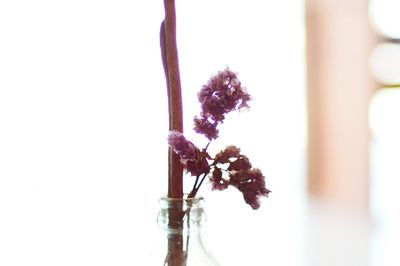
(195, 189)
(195, 183)
(201, 182)
(208, 144)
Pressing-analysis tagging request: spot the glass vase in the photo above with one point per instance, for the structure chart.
(181, 229)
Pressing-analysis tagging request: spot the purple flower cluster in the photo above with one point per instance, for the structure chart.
(193, 159)
(251, 183)
(222, 94)
(240, 174)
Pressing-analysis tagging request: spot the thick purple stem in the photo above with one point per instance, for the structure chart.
(175, 254)
(171, 68)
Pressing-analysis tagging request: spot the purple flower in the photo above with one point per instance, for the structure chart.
(208, 129)
(193, 160)
(250, 181)
(199, 164)
(225, 155)
(252, 184)
(222, 94)
(240, 164)
(217, 182)
(181, 146)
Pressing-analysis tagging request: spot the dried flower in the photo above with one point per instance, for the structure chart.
(217, 182)
(252, 184)
(184, 148)
(199, 165)
(194, 160)
(226, 154)
(222, 94)
(250, 181)
(205, 127)
(240, 164)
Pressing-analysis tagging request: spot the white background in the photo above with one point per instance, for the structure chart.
(83, 127)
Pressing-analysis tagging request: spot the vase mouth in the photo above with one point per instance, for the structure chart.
(177, 214)
(196, 202)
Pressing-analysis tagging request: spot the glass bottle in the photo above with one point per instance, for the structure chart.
(181, 244)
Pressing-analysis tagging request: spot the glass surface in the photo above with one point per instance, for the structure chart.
(181, 234)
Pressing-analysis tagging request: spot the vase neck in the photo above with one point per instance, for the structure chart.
(181, 214)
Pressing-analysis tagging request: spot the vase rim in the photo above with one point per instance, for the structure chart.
(185, 198)
(193, 202)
